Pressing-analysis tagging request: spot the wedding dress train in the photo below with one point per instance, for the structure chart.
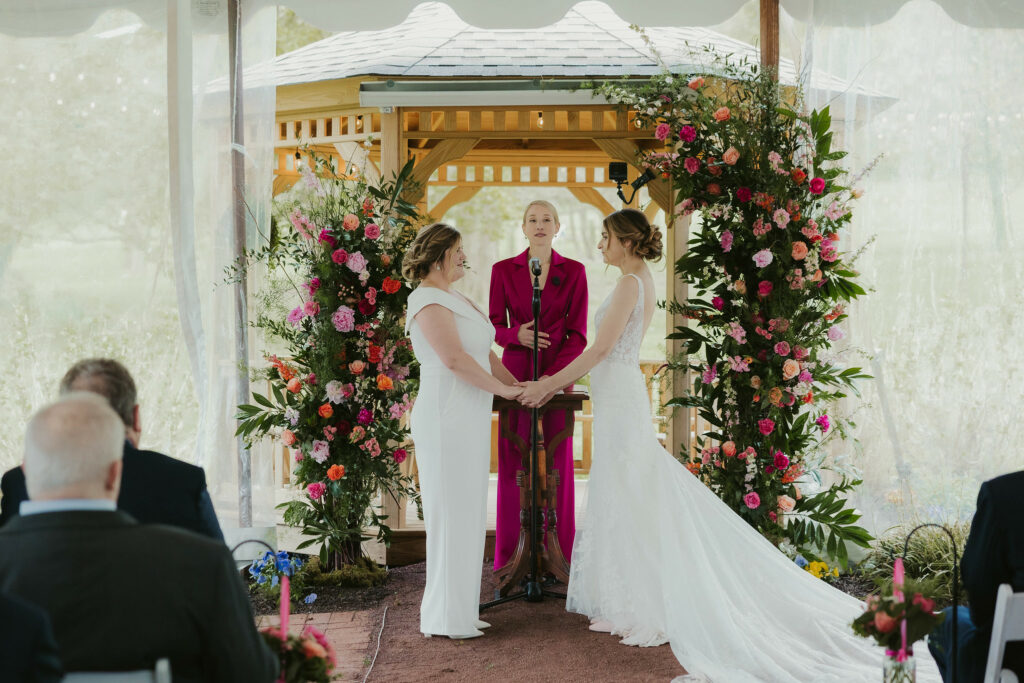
(664, 560)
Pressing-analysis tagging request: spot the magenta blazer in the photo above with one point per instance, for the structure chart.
(563, 312)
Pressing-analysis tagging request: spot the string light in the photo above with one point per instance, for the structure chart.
(540, 119)
(359, 122)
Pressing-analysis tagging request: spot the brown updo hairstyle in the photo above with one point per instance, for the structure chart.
(636, 234)
(428, 250)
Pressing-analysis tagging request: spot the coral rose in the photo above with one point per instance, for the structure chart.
(696, 83)
(391, 286)
(884, 623)
(288, 437)
(790, 369)
(356, 367)
(721, 114)
(385, 259)
(775, 395)
(785, 503)
(729, 449)
(335, 472)
(384, 383)
(294, 385)
(798, 175)
(714, 189)
(741, 287)
(799, 251)
(350, 221)
(731, 156)
(326, 410)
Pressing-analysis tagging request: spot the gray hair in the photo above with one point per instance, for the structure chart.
(71, 442)
(105, 377)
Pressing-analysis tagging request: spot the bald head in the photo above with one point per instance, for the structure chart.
(73, 449)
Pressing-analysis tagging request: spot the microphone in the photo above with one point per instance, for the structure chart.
(535, 266)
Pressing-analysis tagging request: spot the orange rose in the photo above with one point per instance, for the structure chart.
(335, 472)
(326, 410)
(350, 221)
(809, 397)
(694, 467)
(799, 251)
(731, 156)
(391, 286)
(287, 437)
(384, 383)
(294, 385)
(775, 395)
(729, 449)
(741, 287)
(790, 369)
(785, 503)
(721, 114)
(385, 259)
(797, 175)
(696, 83)
(356, 367)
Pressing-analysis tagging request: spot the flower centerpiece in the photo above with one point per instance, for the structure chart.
(337, 398)
(306, 656)
(769, 286)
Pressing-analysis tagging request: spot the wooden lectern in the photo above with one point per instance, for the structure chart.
(540, 495)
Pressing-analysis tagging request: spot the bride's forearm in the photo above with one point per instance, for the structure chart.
(579, 367)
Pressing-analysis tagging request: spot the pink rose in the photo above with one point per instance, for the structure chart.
(766, 426)
(752, 500)
(662, 131)
(339, 256)
(763, 258)
(800, 352)
(371, 231)
(288, 437)
(731, 156)
(687, 133)
(691, 164)
(835, 333)
(356, 262)
(717, 302)
(344, 319)
(799, 251)
(782, 348)
(399, 455)
(781, 461)
(781, 217)
(764, 288)
(743, 194)
(316, 490)
(350, 221)
(312, 286)
(721, 114)
(310, 308)
(817, 185)
(790, 368)
(785, 503)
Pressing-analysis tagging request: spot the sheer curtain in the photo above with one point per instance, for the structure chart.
(938, 227)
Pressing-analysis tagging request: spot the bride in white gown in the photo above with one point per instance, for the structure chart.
(658, 557)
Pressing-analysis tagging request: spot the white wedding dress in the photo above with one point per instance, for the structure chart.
(664, 560)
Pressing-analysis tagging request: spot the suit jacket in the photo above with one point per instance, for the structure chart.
(563, 312)
(28, 651)
(995, 554)
(121, 595)
(155, 489)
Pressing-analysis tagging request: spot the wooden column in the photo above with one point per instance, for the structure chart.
(394, 150)
(770, 35)
(678, 436)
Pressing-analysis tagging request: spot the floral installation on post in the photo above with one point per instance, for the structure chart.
(770, 287)
(338, 395)
(304, 657)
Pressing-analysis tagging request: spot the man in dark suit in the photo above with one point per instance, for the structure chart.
(121, 595)
(994, 555)
(28, 652)
(155, 489)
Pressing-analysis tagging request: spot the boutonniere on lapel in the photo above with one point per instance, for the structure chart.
(556, 280)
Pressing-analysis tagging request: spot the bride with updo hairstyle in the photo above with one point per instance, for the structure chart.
(635, 233)
(451, 427)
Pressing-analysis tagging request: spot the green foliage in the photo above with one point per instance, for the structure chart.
(338, 398)
(769, 286)
(929, 555)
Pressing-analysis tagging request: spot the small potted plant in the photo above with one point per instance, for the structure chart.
(898, 616)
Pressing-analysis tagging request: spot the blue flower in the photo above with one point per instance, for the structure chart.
(310, 599)
(262, 579)
(273, 581)
(254, 569)
(801, 561)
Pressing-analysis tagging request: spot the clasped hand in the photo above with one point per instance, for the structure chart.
(535, 394)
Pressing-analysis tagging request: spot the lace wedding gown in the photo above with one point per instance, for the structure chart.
(663, 559)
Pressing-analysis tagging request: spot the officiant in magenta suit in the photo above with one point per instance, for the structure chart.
(562, 336)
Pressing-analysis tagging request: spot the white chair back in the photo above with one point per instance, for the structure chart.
(161, 673)
(1007, 626)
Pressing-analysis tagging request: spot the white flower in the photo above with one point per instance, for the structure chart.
(292, 415)
(335, 394)
(763, 258)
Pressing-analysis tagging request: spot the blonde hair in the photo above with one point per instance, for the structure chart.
(428, 249)
(630, 225)
(547, 205)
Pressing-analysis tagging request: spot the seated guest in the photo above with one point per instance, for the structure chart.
(28, 652)
(155, 488)
(120, 595)
(994, 555)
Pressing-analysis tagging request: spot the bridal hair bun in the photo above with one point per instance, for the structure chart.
(632, 229)
(428, 250)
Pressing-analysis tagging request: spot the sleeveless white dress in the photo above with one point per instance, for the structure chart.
(451, 430)
(665, 560)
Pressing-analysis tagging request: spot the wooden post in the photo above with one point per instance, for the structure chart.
(678, 433)
(770, 35)
(394, 149)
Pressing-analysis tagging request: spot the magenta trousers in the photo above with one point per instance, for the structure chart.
(507, 527)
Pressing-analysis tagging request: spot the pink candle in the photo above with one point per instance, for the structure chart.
(285, 605)
(898, 577)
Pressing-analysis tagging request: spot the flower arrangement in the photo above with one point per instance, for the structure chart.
(338, 398)
(887, 611)
(267, 572)
(304, 657)
(770, 286)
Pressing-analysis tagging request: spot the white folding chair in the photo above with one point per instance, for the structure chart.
(161, 673)
(1007, 626)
